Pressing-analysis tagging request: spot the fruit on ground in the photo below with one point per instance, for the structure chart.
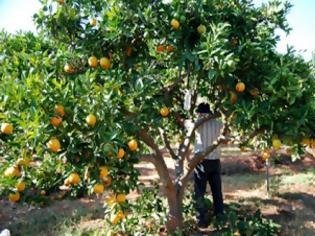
(133, 145)
(93, 22)
(276, 143)
(160, 49)
(14, 197)
(175, 24)
(240, 87)
(60, 110)
(54, 145)
(201, 29)
(121, 198)
(20, 186)
(55, 121)
(164, 111)
(103, 172)
(93, 61)
(105, 63)
(233, 98)
(121, 153)
(12, 171)
(98, 188)
(68, 68)
(74, 178)
(6, 128)
(91, 120)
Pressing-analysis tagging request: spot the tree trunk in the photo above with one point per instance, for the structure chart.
(175, 214)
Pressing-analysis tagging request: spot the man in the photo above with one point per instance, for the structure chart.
(209, 169)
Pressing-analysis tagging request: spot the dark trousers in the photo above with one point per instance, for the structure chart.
(208, 171)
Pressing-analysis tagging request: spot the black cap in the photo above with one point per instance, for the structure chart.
(203, 108)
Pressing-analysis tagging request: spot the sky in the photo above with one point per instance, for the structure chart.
(17, 15)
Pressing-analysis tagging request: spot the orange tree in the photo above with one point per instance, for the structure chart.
(109, 88)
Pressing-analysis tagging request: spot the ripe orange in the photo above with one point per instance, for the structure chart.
(74, 178)
(68, 68)
(54, 145)
(105, 63)
(91, 120)
(59, 109)
(93, 22)
(23, 162)
(233, 98)
(14, 197)
(175, 24)
(98, 188)
(20, 186)
(170, 48)
(103, 172)
(164, 111)
(133, 145)
(93, 61)
(240, 87)
(55, 121)
(254, 92)
(266, 155)
(129, 51)
(121, 198)
(201, 29)
(276, 143)
(6, 128)
(160, 49)
(121, 153)
(107, 181)
(12, 171)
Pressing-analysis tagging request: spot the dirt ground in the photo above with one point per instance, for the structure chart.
(290, 201)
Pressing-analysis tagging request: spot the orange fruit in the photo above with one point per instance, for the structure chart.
(254, 92)
(116, 218)
(93, 22)
(105, 63)
(107, 181)
(93, 61)
(12, 171)
(59, 109)
(98, 188)
(175, 24)
(121, 198)
(55, 121)
(233, 98)
(240, 87)
(164, 111)
(133, 145)
(74, 178)
(103, 172)
(170, 48)
(20, 186)
(265, 155)
(129, 51)
(160, 49)
(23, 162)
(201, 29)
(91, 120)
(68, 68)
(54, 145)
(14, 197)
(276, 143)
(121, 153)
(6, 128)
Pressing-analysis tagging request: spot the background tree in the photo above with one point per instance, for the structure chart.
(119, 71)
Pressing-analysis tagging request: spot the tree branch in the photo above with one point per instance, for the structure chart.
(158, 162)
(167, 143)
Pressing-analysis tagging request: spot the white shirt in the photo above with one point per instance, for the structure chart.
(206, 134)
